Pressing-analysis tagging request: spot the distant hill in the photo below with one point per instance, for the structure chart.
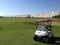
(1, 16)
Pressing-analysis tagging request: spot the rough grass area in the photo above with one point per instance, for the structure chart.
(17, 31)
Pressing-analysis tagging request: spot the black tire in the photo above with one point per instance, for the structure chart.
(35, 38)
(52, 40)
(47, 40)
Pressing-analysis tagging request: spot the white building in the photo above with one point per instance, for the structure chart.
(47, 15)
(23, 16)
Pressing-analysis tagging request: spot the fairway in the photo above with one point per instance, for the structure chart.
(17, 31)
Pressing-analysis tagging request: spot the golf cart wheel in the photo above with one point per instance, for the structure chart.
(50, 40)
(35, 38)
(46, 40)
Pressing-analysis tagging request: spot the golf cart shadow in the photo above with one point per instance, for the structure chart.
(57, 41)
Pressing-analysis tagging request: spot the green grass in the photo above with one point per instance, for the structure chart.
(15, 31)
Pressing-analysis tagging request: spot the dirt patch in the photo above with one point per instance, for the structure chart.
(56, 23)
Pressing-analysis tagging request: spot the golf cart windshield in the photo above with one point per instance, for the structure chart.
(44, 25)
(41, 28)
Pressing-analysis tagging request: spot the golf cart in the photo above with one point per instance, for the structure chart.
(44, 31)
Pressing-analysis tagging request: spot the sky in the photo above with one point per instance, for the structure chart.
(20, 7)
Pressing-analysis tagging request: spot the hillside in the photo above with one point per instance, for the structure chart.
(17, 31)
